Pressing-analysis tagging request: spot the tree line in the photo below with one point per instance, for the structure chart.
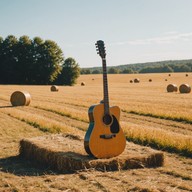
(35, 61)
(151, 67)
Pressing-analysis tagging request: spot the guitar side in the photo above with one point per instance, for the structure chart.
(89, 130)
(99, 140)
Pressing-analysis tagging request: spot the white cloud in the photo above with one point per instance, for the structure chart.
(167, 38)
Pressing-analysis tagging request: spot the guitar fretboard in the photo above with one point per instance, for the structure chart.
(105, 87)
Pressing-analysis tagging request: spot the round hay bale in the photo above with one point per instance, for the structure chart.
(150, 80)
(186, 75)
(184, 88)
(136, 80)
(172, 88)
(20, 98)
(131, 81)
(169, 74)
(54, 88)
(165, 79)
(82, 83)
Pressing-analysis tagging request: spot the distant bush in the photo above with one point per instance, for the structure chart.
(113, 70)
(159, 69)
(149, 67)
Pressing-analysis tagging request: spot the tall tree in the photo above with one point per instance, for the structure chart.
(9, 60)
(49, 61)
(70, 72)
(25, 60)
(1, 58)
(36, 49)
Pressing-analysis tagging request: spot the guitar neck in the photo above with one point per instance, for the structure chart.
(105, 87)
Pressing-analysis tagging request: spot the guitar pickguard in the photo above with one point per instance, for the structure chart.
(114, 128)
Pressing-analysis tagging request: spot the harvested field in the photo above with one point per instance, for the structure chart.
(145, 107)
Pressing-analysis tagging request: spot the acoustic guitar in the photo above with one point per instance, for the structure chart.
(104, 137)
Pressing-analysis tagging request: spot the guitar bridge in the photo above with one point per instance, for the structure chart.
(107, 136)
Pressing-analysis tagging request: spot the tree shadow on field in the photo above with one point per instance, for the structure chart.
(22, 167)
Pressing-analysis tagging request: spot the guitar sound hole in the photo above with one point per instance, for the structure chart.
(107, 119)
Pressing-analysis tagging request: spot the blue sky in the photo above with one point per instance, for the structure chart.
(134, 31)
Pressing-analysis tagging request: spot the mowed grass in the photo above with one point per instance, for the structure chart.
(142, 99)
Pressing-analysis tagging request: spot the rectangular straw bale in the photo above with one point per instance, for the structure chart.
(66, 153)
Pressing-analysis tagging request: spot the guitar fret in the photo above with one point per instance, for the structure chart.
(105, 87)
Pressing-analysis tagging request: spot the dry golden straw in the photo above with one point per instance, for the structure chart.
(20, 98)
(66, 153)
(54, 88)
(172, 88)
(136, 80)
(185, 88)
(82, 83)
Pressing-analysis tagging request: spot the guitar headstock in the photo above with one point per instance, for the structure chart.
(100, 48)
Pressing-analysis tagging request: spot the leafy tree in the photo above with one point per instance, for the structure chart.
(49, 64)
(85, 71)
(1, 57)
(128, 70)
(158, 69)
(29, 61)
(153, 67)
(25, 60)
(113, 70)
(70, 72)
(166, 69)
(96, 71)
(9, 60)
(182, 68)
(36, 49)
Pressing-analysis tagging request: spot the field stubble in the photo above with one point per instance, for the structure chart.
(150, 116)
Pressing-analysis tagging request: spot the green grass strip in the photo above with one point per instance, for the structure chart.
(166, 117)
(38, 126)
(153, 143)
(64, 114)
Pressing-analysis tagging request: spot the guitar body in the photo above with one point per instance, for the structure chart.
(104, 140)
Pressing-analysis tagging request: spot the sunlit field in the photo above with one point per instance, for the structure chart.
(145, 97)
(150, 116)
